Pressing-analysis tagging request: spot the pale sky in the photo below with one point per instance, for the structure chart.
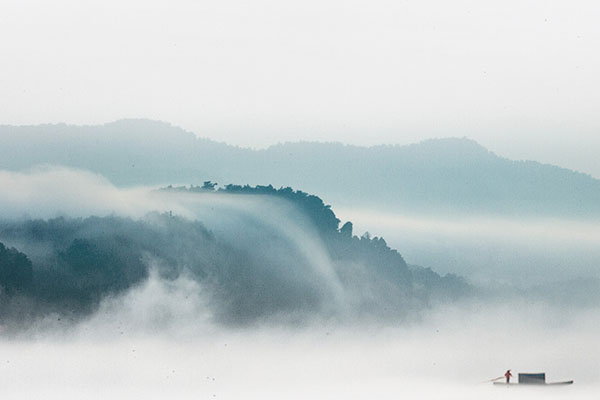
(520, 77)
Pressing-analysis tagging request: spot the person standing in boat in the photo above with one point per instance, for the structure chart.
(507, 375)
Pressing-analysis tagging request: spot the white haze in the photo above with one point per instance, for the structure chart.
(484, 249)
(520, 251)
(158, 340)
(155, 342)
(47, 192)
(241, 221)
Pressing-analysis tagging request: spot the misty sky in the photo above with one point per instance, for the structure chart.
(520, 77)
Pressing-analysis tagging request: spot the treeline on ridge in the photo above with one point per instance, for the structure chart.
(67, 266)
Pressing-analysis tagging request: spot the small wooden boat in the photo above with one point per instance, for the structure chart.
(534, 379)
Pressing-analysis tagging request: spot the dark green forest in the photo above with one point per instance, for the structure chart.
(67, 266)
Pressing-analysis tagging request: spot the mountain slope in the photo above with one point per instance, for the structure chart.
(270, 254)
(445, 175)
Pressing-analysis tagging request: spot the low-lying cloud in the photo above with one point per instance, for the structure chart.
(47, 192)
(165, 335)
(522, 252)
(451, 354)
(256, 258)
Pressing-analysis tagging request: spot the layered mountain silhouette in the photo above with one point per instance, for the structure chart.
(453, 175)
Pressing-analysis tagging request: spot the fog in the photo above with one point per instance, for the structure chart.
(518, 251)
(130, 350)
(50, 191)
(258, 257)
(134, 293)
(165, 336)
(269, 252)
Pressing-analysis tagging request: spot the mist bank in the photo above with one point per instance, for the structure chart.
(264, 255)
(450, 354)
(523, 253)
(442, 177)
(256, 292)
(252, 255)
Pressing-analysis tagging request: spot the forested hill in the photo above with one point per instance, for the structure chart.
(251, 271)
(320, 214)
(436, 176)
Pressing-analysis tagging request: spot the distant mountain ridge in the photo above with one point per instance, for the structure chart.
(452, 175)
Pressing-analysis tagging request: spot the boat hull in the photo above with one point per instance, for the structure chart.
(534, 384)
